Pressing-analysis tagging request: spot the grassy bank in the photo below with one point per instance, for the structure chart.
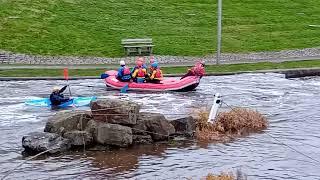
(167, 70)
(95, 28)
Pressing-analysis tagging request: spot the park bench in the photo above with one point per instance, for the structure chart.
(137, 46)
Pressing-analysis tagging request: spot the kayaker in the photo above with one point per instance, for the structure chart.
(124, 73)
(139, 74)
(56, 97)
(156, 74)
(196, 70)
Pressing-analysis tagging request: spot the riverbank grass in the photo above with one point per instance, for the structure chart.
(224, 68)
(188, 28)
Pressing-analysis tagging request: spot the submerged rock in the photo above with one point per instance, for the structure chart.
(115, 111)
(184, 126)
(142, 139)
(156, 125)
(37, 142)
(65, 121)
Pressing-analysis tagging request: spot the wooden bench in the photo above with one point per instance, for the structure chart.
(138, 46)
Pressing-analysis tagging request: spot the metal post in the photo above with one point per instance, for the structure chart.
(214, 108)
(219, 31)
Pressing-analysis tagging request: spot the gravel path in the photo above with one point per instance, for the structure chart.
(8, 58)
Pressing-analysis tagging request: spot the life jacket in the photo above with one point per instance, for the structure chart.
(141, 73)
(198, 70)
(158, 74)
(126, 71)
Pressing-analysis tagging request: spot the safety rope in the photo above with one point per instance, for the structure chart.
(37, 155)
(83, 140)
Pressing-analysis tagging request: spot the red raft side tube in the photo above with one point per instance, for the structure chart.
(169, 84)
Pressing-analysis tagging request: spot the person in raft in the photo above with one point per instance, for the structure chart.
(152, 60)
(139, 59)
(156, 74)
(196, 70)
(56, 97)
(124, 73)
(139, 72)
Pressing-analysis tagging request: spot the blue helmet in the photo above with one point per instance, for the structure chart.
(154, 65)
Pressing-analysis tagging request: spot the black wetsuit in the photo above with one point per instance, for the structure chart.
(57, 98)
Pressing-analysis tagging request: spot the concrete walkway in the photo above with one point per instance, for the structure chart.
(289, 73)
(114, 66)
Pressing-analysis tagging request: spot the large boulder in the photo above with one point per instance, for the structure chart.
(141, 127)
(65, 121)
(184, 126)
(112, 134)
(115, 111)
(156, 125)
(37, 142)
(79, 138)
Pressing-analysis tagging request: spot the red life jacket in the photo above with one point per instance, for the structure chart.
(158, 74)
(141, 73)
(126, 71)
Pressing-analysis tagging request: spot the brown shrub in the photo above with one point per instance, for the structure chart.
(222, 176)
(237, 122)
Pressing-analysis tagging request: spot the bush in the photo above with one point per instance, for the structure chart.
(234, 123)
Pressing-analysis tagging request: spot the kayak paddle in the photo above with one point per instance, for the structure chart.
(66, 77)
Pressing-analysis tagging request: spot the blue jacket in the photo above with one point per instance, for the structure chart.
(57, 98)
(121, 74)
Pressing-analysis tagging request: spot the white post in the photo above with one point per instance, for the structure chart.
(214, 109)
(219, 30)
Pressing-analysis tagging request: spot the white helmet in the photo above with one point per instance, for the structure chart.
(55, 89)
(122, 63)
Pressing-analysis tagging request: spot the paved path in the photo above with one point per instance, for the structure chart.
(114, 66)
(289, 73)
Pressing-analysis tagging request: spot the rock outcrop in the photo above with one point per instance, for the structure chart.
(155, 125)
(115, 111)
(65, 121)
(113, 134)
(37, 142)
(184, 126)
(111, 123)
(79, 138)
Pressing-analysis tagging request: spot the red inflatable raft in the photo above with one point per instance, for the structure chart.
(168, 84)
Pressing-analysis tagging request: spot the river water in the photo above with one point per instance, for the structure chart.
(291, 106)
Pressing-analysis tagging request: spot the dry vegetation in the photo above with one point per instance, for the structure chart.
(239, 175)
(234, 123)
(222, 176)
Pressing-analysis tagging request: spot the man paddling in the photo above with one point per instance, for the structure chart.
(56, 97)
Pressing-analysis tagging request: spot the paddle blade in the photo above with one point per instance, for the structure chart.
(103, 76)
(65, 73)
(124, 88)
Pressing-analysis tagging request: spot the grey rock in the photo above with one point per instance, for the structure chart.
(113, 134)
(142, 139)
(79, 138)
(115, 111)
(157, 125)
(184, 126)
(37, 142)
(67, 121)
(140, 128)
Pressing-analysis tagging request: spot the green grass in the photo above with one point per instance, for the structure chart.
(167, 70)
(178, 27)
